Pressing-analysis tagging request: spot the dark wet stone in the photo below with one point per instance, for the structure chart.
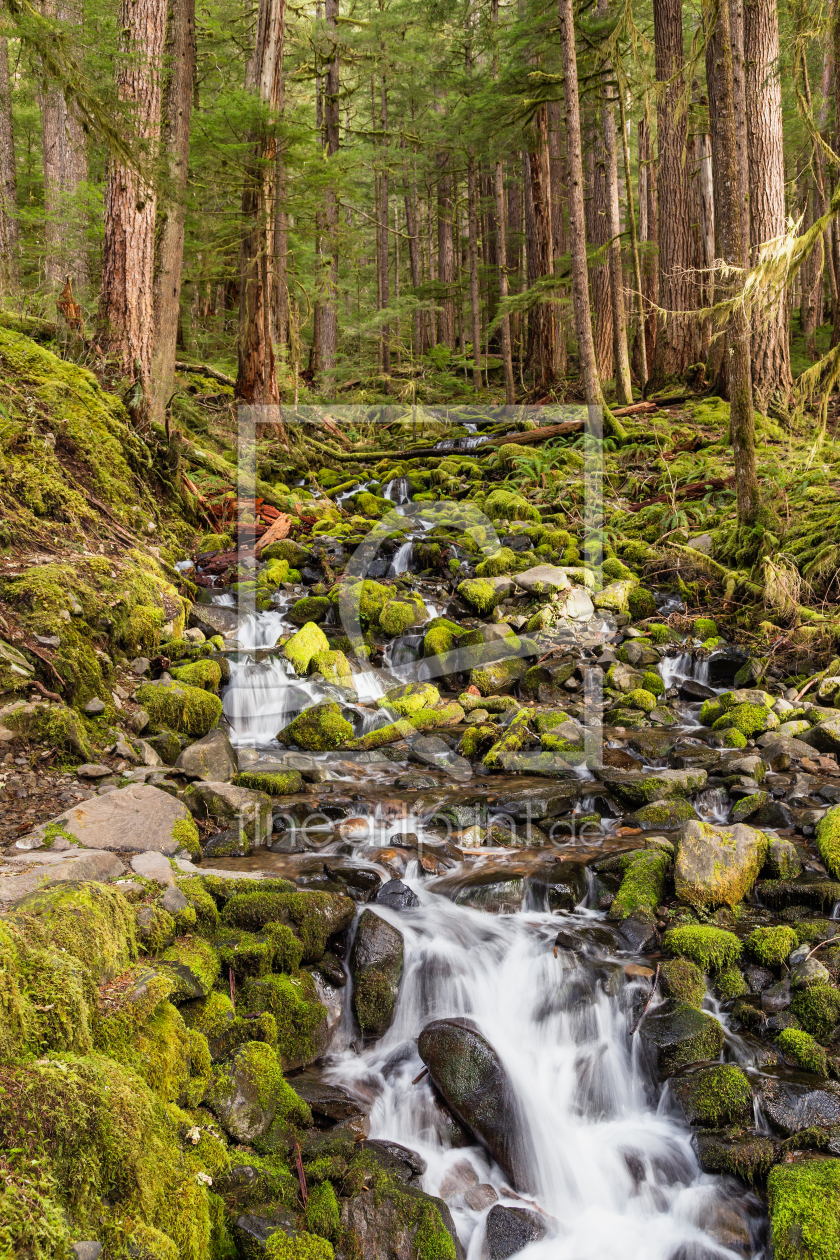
(252, 1230)
(637, 935)
(376, 967)
(396, 895)
(466, 1070)
(356, 882)
(792, 1106)
(400, 1161)
(533, 803)
(509, 1230)
(677, 1035)
(809, 889)
(776, 997)
(758, 978)
(690, 689)
(562, 886)
(332, 970)
(329, 1104)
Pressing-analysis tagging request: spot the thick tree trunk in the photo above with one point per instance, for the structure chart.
(577, 223)
(705, 230)
(328, 295)
(724, 147)
(650, 234)
(256, 380)
(382, 217)
(621, 359)
(771, 374)
(172, 204)
(126, 303)
(9, 246)
(65, 168)
(445, 255)
(739, 90)
(558, 203)
(634, 249)
(475, 309)
(674, 340)
(282, 326)
(810, 278)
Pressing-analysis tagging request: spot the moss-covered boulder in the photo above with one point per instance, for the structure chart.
(272, 782)
(641, 603)
(802, 1049)
(303, 1028)
(717, 866)
(714, 1096)
(409, 698)
(483, 594)
(334, 667)
(91, 922)
(307, 642)
(749, 719)
(772, 946)
(247, 1093)
(711, 948)
(313, 916)
(641, 786)
(180, 707)
(205, 674)
(662, 815)
(400, 613)
(229, 805)
(676, 1035)
(827, 836)
(311, 608)
(192, 965)
(376, 966)
(804, 1202)
(615, 596)
(642, 885)
(318, 729)
(498, 677)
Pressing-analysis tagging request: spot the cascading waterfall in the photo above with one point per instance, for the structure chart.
(615, 1179)
(402, 559)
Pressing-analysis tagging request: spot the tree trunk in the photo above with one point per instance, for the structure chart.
(621, 359)
(256, 380)
(558, 225)
(810, 277)
(169, 229)
(706, 230)
(282, 326)
(475, 310)
(328, 289)
(65, 168)
(674, 341)
(9, 247)
(634, 249)
(597, 233)
(650, 234)
(382, 216)
(724, 146)
(739, 89)
(771, 374)
(542, 315)
(507, 357)
(577, 225)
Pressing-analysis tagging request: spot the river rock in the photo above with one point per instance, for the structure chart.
(470, 1076)
(212, 619)
(134, 819)
(387, 1224)
(397, 896)
(243, 1093)
(676, 1035)
(717, 866)
(376, 965)
(153, 866)
(508, 1230)
(792, 1106)
(642, 786)
(805, 970)
(57, 867)
(248, 811)
(211, 759)
(825, 736)
(331, 1105)
(543, 579)
(252, 1230)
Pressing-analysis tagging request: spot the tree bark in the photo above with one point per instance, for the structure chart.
(385, 288)
(621, 358)
(126, 303)
(475, 309)
(507, 357)
(706, 229)
(9, 240)
(724, 146)
(597, 233)
(542, 315)
(577, 224)
(771, 374)
(328, 295)
(649, 234)
(172, 205)
(65, 168)
(256, 380)
(634, 247)
(674, 341)
(739, 89)
(446, 254)
(558, 202)
(282, 325)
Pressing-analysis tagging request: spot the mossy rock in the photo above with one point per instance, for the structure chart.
(643, 883)
(683, 980)
(817, 1009)
(409, 698)
(320, 728)
(481, 594)
(180, 707)
(714, 1096)
(803, 1199)
(705, 628)
(399, 614)
(499, 676)
(209, 543)
(206, 674)
(287, 549)
(771, 946)
(502, 561)
(92, 922)
(827, 838)
(750, 719)
(302, 1028)
(800, 1046)
(193, 966)
(275, 783)
(334, 667)
(641, 603)
(313, 916)
(311, 608)
(663, 815)
(638, 698)
(711, 948)
(306, 643)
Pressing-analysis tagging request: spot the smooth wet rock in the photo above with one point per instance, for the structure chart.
(643, 786)
(253, 1230)
(805, 970)
(89, 1250)
(776, 998)
(212, 759)
(376, 964)
(385, 1225)
(243, 1093)
(459, 1177)
(466, 1070)
(214, 619)
(479, 1198)
(93, 770)
(792, 1106)
(137, 818)
(397, 896)
(330, 1104)
(509, 1230)
(717, 866)
(543, 579)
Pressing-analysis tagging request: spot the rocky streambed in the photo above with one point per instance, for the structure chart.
(505, 928)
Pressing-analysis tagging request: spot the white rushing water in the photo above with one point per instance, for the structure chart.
(615, 1179)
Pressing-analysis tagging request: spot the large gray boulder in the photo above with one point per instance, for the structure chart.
(212, 759)
(135, 819)
(229, 806)
(43, 868)
(717, 866)
(470, 1076)
(376, 965)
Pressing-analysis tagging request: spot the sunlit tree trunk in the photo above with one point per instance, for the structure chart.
(172, 203)
(621, 358)
(256, 380)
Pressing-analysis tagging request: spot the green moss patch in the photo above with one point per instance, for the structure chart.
(803, 1198)
(772, 946)
(711, 948)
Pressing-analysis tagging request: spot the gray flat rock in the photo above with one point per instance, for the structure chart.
(89, 864)
(543, 579)
(212, 619)
(153, 866)
(137, 818)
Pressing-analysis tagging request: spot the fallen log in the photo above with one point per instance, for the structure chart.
(686, 492)
(204, 369)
